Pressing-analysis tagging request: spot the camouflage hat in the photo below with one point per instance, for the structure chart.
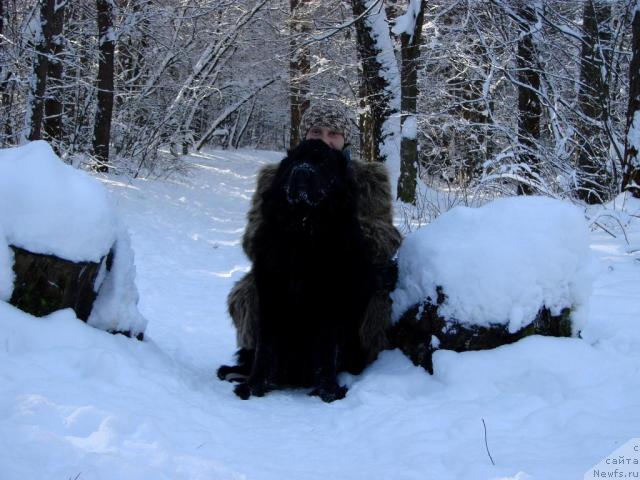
(325, 114)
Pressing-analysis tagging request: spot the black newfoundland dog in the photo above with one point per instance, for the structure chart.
(313, 276)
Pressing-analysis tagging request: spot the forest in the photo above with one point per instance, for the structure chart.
(490, 97)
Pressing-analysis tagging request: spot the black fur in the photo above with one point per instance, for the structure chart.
(242, 369)
(314, 278)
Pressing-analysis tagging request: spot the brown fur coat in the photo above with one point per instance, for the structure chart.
(376, 217)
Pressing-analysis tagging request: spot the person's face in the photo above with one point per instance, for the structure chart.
(332, 138)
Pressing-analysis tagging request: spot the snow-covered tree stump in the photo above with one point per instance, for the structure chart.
(480, 278)
(46, 283)
(421, 331)
(61, 243)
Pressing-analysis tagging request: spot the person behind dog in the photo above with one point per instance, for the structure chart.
(329, 122)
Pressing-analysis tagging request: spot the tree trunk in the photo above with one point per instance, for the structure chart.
(592, 96)
(35, 112)
(243, 129)
(410, 55)
(3, 73)
(631, 180)
(374, 96)
(299, 67)
(104, 108)
(5, 97)
(53, 102)
(529, 106)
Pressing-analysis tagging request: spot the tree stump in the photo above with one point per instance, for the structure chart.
(421, 331)
(45, 283)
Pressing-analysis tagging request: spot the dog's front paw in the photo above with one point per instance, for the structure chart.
(247, 389)
(231, 373)
(329, 393)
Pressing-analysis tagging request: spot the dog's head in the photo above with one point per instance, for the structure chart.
(311, 174)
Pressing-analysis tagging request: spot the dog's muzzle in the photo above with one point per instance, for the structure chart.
(302, 187)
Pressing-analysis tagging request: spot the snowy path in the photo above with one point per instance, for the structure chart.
(78, 403)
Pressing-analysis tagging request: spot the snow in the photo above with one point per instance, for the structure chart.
(32, 29)
(500, 263)
(49, 207)
(76, 402)
(410, 127)
(116, 306)
(406, 23)
(6, 272)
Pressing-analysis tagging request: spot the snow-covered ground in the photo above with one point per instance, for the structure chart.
(76, 402)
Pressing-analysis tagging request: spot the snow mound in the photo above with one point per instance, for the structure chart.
(500, 263)
(116, 307)
(49, 207)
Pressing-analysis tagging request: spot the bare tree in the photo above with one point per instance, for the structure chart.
(5, 75)
(53, 102)
(42, 43)
(410, 32)
(104, 107)
(227, 113)
(631, 180)
(3, 68)
(195, 89)
(529, 106)
(375, 94)
(299, 66)
(592, 99)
